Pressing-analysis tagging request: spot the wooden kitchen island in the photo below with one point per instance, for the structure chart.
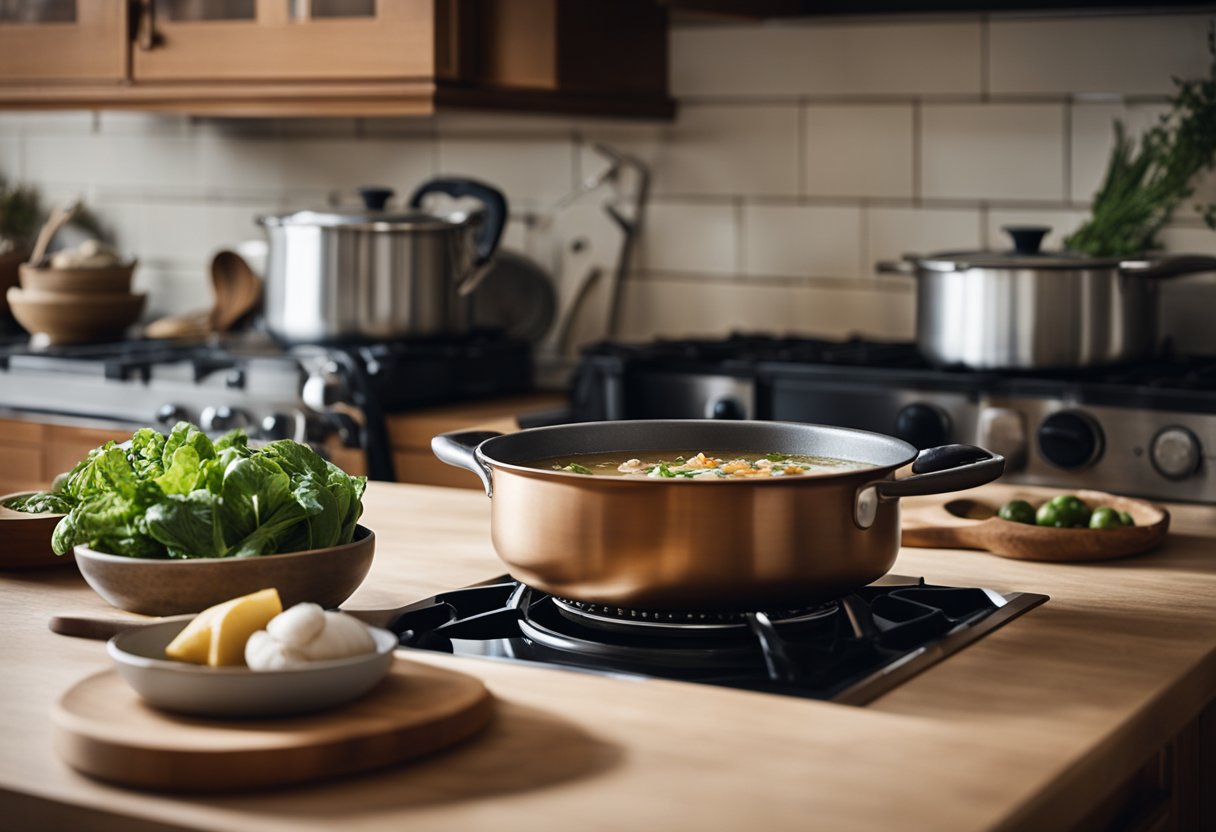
(1033, 727)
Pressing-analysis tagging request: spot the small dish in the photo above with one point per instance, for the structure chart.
(974, 524)
(171, 587)
(81, 280)
(74, 317)
(139, 656)
(25, 539)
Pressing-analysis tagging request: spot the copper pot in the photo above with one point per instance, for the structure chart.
(666, 544)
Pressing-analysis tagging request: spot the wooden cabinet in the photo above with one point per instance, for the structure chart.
(56, 42)
(410, 434)
(32, 454)
(336, 57)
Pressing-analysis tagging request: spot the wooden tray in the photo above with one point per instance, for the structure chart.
(973, 524)
(102, 728)
(25, 539)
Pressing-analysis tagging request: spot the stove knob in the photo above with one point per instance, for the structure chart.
(1175, 452)
(1070, 439)
(727, 408)
(923, 425)
(170, 414)
(222, 418)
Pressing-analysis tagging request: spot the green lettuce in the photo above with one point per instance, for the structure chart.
(184, 496)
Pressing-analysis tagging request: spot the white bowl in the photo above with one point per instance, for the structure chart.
(139, 656)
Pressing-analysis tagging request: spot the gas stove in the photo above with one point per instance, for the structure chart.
(850, 650)
(1147, 429)
(305, 393)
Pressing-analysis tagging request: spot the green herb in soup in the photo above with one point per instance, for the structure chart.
(700, 465)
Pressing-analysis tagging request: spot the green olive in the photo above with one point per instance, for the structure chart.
(1127, 519)
(1105, 518)
(1071, 511)
(1047, 516)
(1018, 511)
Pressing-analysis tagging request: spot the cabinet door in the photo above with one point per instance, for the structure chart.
(62, 41)
(267, 40)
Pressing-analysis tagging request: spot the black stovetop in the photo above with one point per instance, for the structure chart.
(851, 650)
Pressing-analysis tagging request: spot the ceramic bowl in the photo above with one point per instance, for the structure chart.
(102, 280)
(139, 657)
(75, 317)
(25, 539)
(170, 587)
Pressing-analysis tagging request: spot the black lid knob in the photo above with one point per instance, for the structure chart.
(375, 197)
(1027, 239)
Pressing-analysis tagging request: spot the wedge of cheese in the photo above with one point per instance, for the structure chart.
(217, 635)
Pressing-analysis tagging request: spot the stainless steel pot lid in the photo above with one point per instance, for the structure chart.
(1026, 254)
(367, 220)
(373, 217)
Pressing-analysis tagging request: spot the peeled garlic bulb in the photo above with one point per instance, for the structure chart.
(264, 652)
(305, 633)
(298, 626)
(341, 637)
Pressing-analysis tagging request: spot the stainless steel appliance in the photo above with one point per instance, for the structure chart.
(1035, 310)
(1146, 428)
(848, 650)
(305, 393)
(373, 275)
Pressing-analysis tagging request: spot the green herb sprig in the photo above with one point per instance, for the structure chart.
(1148, 178)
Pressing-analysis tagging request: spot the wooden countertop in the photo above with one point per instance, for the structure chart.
(1019, 731)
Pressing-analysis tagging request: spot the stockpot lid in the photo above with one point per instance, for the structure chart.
(1026, 254)
(369, 220)
(373, 217)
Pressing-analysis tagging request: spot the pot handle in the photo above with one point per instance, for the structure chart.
(460, 449)
(494, 203)
(904, 267)
(935, 471)
(1169, 266)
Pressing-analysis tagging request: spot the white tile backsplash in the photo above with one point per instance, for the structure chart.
(541, 169)
(339, 165)
(730, 150)
(802, 152)
(801, 241)
(10, 158)
(1133, 54)
(992, 151)
(858, 150)
(711, 308)
(893, 232)
(827, 58)
(690, 237)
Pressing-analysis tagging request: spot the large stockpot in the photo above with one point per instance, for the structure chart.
(668, 544)
(1028, 309)
(376, 274)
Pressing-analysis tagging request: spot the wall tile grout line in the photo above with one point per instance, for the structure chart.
(985, 58)
(1068, 152)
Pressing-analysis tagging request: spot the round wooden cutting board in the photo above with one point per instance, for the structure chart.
(102, 728)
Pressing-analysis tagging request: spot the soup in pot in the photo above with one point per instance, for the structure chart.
(698, 466)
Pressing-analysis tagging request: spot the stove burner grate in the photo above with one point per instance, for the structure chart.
(620, 619)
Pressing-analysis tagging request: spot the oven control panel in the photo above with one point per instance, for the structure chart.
(1147, 453)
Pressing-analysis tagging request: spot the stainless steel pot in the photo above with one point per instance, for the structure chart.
(376, 274)
(1028, 309)
(669, 544)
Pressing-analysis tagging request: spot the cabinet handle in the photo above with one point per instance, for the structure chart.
(146, 36)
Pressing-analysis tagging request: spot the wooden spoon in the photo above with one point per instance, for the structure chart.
(238, 290)
(974, 524)
(57, 220)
